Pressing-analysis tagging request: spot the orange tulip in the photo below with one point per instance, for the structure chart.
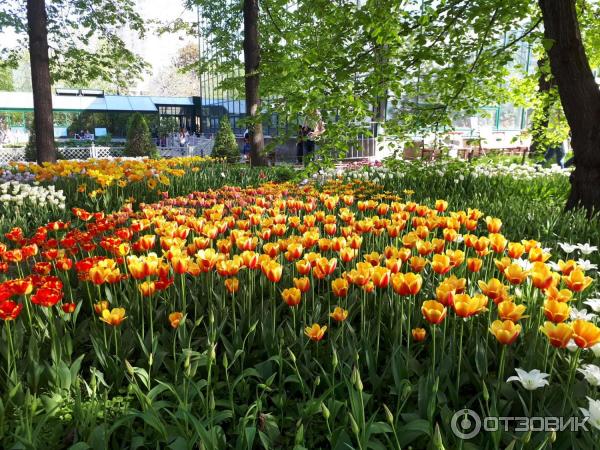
(445, 293)
(537, 254)
(541, 275)
(556, 311)
(273, 271)
(585, 334)
(406, 283)
(232, 285)
(404, 254)
(101, 306)
(419, 334)
(147, 288)
(515, 250)
(291, 296)
(493, 224)
(507, 310)
(466, 306)
(577, 281)
(566, 267)
(505, 332)
(559, 334)
(474, 264)
(175, 319)
(113, 317)
(339, 314)
(303, 266)
(302, 283)
(316, 332)
(339, 287)
(417, 263)
(441, 264)
(69, 308)
(515, 274)
(498, 242)
(433, 311)
(381, 277)
(441, 205)
(493, 289)
(564, 295)
(502, 263)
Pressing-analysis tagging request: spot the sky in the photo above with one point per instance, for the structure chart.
(159, 50)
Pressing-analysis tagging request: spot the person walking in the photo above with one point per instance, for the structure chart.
(183, 139)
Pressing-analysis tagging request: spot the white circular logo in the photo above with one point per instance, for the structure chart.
(466, 424)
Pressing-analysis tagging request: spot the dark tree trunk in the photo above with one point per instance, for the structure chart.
(580, 97)
(252, 80)
(37, 21)
(541, 119)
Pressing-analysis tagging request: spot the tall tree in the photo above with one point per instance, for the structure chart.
(580, 98)
(252, 81)
(37, 27)
(72, 41)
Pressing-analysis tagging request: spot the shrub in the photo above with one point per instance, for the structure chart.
(225, 144)
(139, 141)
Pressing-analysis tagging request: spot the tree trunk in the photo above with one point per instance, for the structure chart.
(40, 80)
(541, 118)
(580, 98)
(252, 80)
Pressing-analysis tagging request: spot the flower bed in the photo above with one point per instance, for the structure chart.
(341, 316)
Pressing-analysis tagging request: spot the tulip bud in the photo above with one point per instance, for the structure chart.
(213, 354)
(129, 367)
(388, 415)
(211, 403)
(211, 317)
(225, 361)
(318, 380)
(299, 435)
(353, 424)
(553, 436)
(292, 356)
(151, 359)
(486, 394)
(527, 437)
(325, 411)
(438, 443)
(334, 361)
(253, 327)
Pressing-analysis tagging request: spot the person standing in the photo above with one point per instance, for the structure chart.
(313, 128)
(183, 139)
(300, 144)
(558, 151)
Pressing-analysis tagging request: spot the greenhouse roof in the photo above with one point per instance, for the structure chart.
(24, 101)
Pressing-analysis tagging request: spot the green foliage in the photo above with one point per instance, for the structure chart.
(226, 145)
(85, 40)
(6, 79)
(30, 148)
(167, 125)
(139, 140)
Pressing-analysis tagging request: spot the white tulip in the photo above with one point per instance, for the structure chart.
(593, 412)
(591, 374)
(530, 380)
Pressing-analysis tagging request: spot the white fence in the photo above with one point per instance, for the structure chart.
(202, 147)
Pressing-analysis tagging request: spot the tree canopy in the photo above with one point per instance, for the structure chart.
(87, 39)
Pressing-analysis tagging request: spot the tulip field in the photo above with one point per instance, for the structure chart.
(190, 304)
